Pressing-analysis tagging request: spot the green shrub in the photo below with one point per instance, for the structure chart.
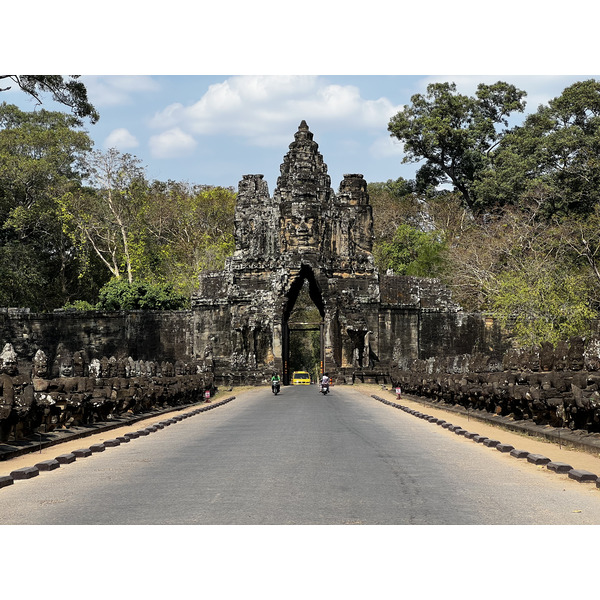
(79, 305)
(119, 294)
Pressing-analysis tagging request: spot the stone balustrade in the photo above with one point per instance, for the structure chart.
(557, 386)
(73, 390)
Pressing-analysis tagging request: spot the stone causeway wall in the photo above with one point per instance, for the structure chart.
(556, 386)
(39, 396)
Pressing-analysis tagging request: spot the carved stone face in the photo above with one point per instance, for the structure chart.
(40, 364)
(300, 232)
(65, 368)
(8, 360)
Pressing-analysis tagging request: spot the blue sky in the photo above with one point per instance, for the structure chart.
(159, 77)
(210, 129)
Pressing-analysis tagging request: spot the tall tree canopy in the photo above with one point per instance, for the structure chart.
(553, 158)
(454, 134)
(41, 160)
(158, 232)
(69, 92)
(106, 214)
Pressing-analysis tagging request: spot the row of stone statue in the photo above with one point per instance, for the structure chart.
(77, 364)
(577, 354)
(559, 388)
(37, 397)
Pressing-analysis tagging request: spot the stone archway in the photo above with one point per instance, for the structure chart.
(307, 275)
(305, 231)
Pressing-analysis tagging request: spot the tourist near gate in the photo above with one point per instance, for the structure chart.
(307, 233)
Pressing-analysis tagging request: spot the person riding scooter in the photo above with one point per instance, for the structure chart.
(325, 383)
(275, 383)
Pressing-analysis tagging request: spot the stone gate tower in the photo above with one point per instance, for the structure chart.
(306, 232)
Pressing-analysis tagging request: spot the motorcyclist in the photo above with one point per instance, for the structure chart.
(275, 380)
(325, 381)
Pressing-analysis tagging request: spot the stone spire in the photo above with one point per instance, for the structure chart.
(303, 172)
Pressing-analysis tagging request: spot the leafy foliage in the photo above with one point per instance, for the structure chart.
(41, 160)
(553, 158)
(184, 230)
(70, 92)
(544, 306)
(454, 134)
(119, 294)
(412, 252)
(525, 243)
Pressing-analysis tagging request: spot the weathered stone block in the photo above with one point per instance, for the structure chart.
(519, 453)
(505, 448)
(578, 475)
(132, 435)
(48, 465)
(66, 459)
(491, 443)
(97, 448)
(6, 480)
(111, 443)
(82, 453)
(538, 459)
(559, 467)
(480, 439)
(25, 473)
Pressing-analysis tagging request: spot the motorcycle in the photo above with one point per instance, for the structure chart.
(275, 387)
(324, 388)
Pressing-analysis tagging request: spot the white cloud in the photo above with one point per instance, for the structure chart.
(117, 89)
(386, 147)
(263, 109)
(121, 139)
(172, 143)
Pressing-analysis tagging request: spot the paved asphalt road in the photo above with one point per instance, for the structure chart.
(300, 458)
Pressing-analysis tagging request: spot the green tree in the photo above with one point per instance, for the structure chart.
(544, 305)
(412, 252)
(106, 215)
(41, 161)
(186, 230)
(393, 202)
(69, 92)
(553, 158)
(119, 294)
(454, 134)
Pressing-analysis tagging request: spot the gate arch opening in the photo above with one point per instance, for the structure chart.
(299, 326)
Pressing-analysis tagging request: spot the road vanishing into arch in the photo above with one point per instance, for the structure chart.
(300, 458)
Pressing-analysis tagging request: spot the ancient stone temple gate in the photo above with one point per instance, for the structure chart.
(306, 232)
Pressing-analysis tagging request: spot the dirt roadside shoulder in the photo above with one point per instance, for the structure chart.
(578, 458)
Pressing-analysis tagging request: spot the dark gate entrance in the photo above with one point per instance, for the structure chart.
(305, 277)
